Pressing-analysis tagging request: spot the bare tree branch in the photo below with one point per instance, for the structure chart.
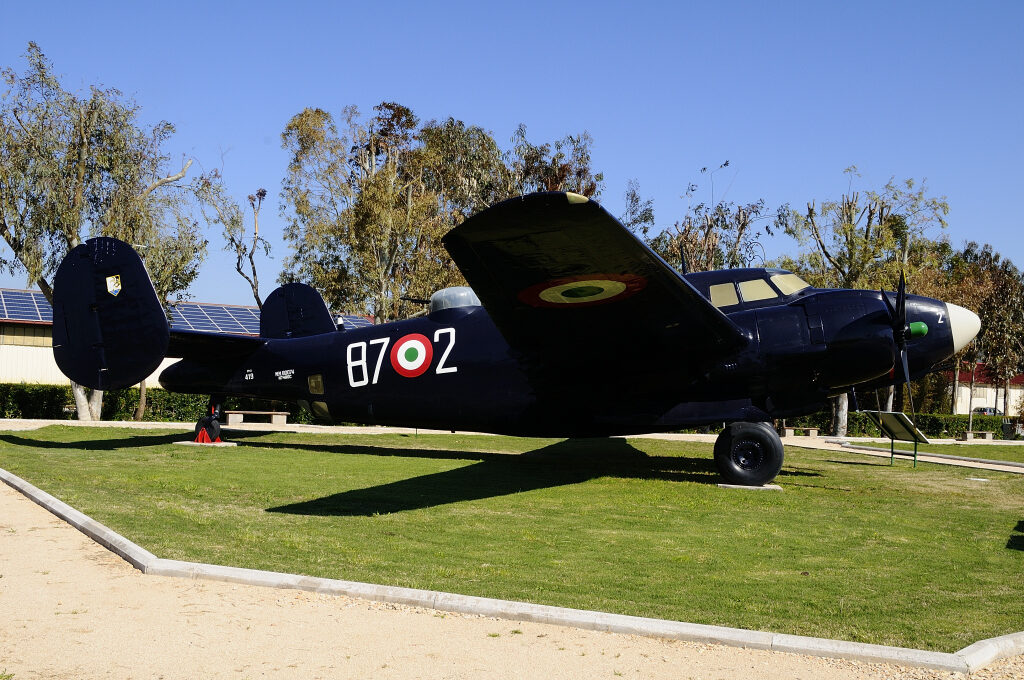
(166, 180)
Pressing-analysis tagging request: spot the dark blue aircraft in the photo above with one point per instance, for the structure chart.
(571, 328)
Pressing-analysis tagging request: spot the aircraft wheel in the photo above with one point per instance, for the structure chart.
(211, 426)
(748, 453)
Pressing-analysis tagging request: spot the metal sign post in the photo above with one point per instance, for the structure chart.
(896, 425)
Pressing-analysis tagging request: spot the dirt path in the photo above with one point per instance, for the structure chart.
(70, 609)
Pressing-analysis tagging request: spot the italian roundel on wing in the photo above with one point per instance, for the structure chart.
(411, 355)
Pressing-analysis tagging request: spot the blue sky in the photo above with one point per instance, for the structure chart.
(790, 93)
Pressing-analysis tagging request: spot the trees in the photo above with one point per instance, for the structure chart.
(363, 225)
(862, 240)
(711, 235)
(218, 207)
(76, 165)
(564, 165)
(1002, 318)
(366, 202)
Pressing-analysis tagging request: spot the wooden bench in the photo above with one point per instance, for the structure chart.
(787, 431)
(238, 417)
(978, 434)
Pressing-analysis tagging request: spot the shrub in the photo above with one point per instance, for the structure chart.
(21, 400)
(55, 402)
(938, 425)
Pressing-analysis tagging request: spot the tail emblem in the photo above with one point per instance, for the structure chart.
(114, 284)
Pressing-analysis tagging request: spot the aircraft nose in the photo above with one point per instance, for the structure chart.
(964, 324)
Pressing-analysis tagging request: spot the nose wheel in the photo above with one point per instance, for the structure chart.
(749, 454)
(208, 427)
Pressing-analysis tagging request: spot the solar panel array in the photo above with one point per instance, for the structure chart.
(199, 316)
(25, 305)
(31, 306)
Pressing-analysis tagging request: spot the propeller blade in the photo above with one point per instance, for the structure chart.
(910, 392)
(901, 301)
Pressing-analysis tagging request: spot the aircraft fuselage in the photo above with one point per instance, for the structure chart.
(454, 370)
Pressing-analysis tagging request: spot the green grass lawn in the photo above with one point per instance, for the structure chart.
(1010, 452)
(852, 549)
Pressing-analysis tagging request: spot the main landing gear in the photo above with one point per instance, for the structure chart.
(208, 427)
(749, 454)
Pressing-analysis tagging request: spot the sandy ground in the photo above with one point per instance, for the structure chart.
(70, 609)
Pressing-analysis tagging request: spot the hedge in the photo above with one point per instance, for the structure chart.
(55, 402)
(937, 425)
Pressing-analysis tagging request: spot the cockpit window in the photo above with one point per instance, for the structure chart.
(789, 283)
(723, 295)
(756, 289)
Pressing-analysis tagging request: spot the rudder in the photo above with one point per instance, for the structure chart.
(109, 330)
(295, 310)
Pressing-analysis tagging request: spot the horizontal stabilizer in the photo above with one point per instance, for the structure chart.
(206, 346)
(295, 310)
(109, 330)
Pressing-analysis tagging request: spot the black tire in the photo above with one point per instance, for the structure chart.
(211, 425)
(749, 453)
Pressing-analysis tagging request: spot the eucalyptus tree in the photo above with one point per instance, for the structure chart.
(1002, 318)
(76, 165)
(562, 165)
(363, 225)
(367, 200)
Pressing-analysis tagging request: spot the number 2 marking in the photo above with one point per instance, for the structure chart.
(441, 368)
(942, 315)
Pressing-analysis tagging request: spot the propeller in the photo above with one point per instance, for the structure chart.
(901, 331)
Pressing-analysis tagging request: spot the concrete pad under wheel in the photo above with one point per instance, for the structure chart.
(207, 443)
(766, 487)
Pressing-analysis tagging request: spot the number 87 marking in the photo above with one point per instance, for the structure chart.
(359, 362)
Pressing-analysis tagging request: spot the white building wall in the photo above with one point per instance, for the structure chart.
(986, 395)
(19, 363)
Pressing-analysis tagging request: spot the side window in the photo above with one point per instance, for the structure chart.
(723, 295)
(789, 283)
(756, 289)
(315, 383)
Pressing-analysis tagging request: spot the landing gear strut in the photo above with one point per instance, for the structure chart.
(208, 427)
(748, 453)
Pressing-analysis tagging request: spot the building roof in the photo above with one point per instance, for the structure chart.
(984, 376)
(31, 307)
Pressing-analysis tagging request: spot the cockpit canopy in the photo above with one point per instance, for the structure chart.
(734, 289)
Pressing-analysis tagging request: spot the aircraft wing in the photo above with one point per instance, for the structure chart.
(579, 296)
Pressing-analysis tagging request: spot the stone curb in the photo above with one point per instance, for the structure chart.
(112, 541)
(967, 660)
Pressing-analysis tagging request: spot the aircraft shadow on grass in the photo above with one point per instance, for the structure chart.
(132, 441)
(1016, 541)
(494, 474)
